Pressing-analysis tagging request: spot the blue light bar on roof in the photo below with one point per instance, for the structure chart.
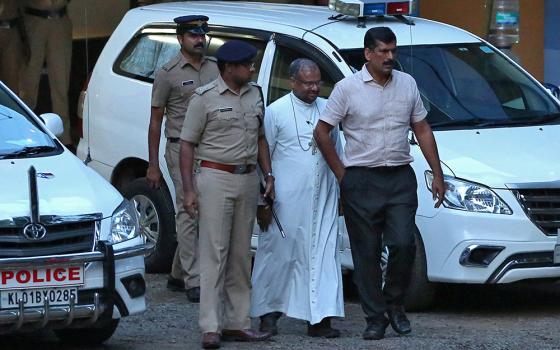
(374, 9)
(361, 8)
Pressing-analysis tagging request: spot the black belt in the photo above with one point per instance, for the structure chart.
(173, 139)
(9, 23)
(380, 168)
(46, 14)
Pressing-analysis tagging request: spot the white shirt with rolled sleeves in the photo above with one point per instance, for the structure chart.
(375, 118)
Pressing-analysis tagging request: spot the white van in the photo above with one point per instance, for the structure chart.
(496, 127)
(71, 256)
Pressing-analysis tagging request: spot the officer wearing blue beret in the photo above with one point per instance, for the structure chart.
(173, 85)
(225, 120)
(236, 51)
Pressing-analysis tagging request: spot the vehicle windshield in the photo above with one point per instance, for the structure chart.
(20, 134)
(470, 86)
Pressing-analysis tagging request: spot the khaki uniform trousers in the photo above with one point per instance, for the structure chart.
(11, 54)
(227, 208)
(49, 39)
(185, 262)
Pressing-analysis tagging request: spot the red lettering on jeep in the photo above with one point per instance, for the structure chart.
(7, 275)
(59, 275)
(74, 273)
(36, 277)
(23, 276)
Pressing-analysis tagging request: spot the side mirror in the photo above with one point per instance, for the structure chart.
(553, 89)
(53, 122)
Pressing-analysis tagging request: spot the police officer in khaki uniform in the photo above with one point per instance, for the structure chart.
(49, 32)
(225, 120)
(173, 86)
(11, 48)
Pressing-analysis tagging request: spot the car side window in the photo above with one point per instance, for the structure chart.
(148, 52)
(280, 77)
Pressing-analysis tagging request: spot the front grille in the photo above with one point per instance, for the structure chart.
(542, 206)
(61, 238)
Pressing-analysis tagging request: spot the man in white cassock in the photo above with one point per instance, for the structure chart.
(299, 275)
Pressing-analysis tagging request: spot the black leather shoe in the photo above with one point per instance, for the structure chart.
(175, 284)
(398, 319)
(375, 329)
(269, 322)
(193, 294)
(322, 329)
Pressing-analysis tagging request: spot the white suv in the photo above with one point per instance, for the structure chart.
(495, 125)
(71, 256)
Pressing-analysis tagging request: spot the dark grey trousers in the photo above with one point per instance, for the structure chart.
(379, 208)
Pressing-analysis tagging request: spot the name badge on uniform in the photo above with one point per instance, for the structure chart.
(187, 82)
(226, 109)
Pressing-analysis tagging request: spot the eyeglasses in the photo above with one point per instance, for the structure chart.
(248, 65)
(310, 84)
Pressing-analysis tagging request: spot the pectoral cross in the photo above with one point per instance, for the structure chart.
(312, 144)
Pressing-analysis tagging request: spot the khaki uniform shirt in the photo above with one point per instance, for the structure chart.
(225, 125)
(375, 118)
(175, 83)
(46, 5)
(8, 10)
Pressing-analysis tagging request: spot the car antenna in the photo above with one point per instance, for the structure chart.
(88, 156)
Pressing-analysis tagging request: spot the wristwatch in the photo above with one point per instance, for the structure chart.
(267, 175)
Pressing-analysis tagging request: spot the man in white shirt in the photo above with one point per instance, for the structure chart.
(377, 106)
(299, 275)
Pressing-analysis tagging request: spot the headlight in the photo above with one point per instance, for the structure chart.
(124, 222)
(469, 196)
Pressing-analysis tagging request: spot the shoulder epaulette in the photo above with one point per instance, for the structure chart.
(172, 63)
(202, 89)
(212, 58)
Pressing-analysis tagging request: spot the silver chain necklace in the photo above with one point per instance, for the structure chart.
(311, 143)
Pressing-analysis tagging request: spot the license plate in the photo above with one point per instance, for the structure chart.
(9, 299)
(556, 254)
(42, 277)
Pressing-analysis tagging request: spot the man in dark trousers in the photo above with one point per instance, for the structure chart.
(377, 106)
(224, 119)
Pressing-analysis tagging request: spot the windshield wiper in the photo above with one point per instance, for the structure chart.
(530, 120)
(26, 151)
(463, 122)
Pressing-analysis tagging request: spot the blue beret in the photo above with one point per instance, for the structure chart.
(235, 51)
(196, 24)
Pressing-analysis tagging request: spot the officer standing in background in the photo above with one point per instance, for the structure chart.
(173, 86)
(11, 46)
(225, 120)
(49, 31)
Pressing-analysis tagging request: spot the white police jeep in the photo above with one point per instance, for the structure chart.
(496, 127)
(71, 256)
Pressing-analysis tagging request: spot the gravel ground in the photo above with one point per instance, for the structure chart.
(466, 317)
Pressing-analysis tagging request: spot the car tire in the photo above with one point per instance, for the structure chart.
(94, 335)
(157, 216)
(421, 292)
